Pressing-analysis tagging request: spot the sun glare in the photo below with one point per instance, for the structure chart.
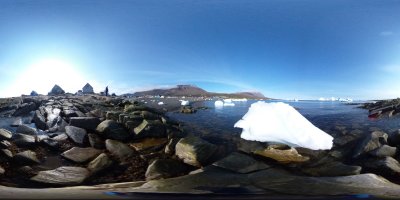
(43, 74)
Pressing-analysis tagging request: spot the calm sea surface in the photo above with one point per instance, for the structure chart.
(332, 117)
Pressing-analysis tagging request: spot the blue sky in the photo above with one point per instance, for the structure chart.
(283, 48)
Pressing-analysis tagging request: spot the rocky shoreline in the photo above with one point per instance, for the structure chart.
(113, 143)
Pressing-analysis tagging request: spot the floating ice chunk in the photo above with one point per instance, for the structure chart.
(184, 103)
(229, 104)
(240, 100)
(219, 103)
(160, 103)
(227, 100)
(280, 122)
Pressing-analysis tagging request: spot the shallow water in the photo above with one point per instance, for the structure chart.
(332, 117)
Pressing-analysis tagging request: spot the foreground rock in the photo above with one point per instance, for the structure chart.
(26, 158)
(25, 129)
(23, 139)
(194, 151)
(334, 168)
(119, 149)
(370, 142)
(81, 155)
(240, 163)
(100, 163)
(76, 134)
(62, 176)
(112, 130)
(5, 134)
(88, 123)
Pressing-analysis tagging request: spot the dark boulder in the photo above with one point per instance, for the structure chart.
(76, 134)
(24, 109)
(150, 129)
(383, 151)
(386, 166)
(88, 123)
(95, 141)
(40, 120)
(240, 163)
(112, 130)
(25, 129)
(194, 151)
(56, 90)
(370, 142)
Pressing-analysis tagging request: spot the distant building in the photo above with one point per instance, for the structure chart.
(87, 89)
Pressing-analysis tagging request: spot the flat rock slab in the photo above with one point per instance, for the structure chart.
(88, 123)
(119, 149)
(25, 129)
(76, 134)
(148, 143)
(240, 163)
(81, 155)
(23, 139)
(26, 157)
(62, 176)
(194, 150)
(112, 130)
(5, 134)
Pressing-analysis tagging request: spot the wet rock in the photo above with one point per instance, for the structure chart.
(334, 168)
(148, 143)
(24, 109)
(16, 122)
(54, 144)
(100, 163)
(112, 130)
(23, 139)
(249, 146)
(81, 155)
(25, 129)
(88, 123)
(56, 90)
(170, 147)
(76, 134)
(240, 163)
(6, 153)
(95, 141)
(26, 157)
(119, 149)
(194, 150)
(370, 142)
(166, 168)
(4, 144)
(187, 110)
(5, 134)
(283, 155)
(386, 166)
(383, 151)
(150, 129)
(62, 176)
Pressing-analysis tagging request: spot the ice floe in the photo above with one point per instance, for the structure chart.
(280, 122)
(184, 103)
(218, 103)
(160, 103)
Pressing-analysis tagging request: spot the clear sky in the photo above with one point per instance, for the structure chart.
(283, 48)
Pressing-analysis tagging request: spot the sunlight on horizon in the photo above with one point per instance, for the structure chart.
(43, 74)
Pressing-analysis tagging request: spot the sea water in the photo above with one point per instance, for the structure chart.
(332, 117)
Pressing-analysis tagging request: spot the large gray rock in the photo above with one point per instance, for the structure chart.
(119, 149)
(386, 166)
(88, 123)
(24, 109)
(26, 157)
(23, 139)
(76, 134)
(194, 150)
(240, 163)
(40, 120)
(112, 130)
(370, 142)
(100, 163)
(166, 168)
(150, 129)
(4, 144)
(5, 134)
(394, 138)
(383, 151)
(62, 176)
(25, 129)
(56, 90)
(87, 89)
(81, 155)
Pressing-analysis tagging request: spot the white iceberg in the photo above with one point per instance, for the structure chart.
(229, 104)
(280, 122)
(227, 100)
(184, 103)
(219, 103)
(160, 103)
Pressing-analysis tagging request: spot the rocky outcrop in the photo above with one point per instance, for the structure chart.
(370, 142)
(76, 134)
(119, 149)
(56, 90)
(194, 151)
(112, 130)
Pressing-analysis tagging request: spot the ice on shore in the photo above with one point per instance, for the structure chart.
(280, 122)
(219, 103)
(184, 103)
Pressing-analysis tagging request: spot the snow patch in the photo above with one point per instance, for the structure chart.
(280, 122)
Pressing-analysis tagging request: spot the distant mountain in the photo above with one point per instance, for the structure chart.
(194, 91)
